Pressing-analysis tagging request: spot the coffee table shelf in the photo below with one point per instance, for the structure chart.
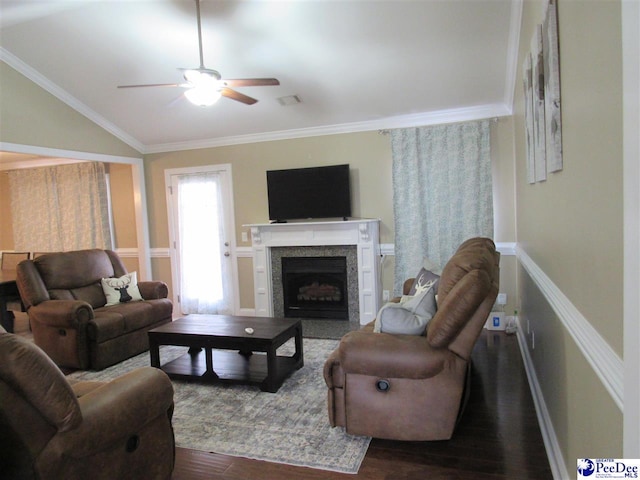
(229, 367)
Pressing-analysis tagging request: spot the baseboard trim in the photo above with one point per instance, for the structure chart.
(554, 452)
(607, 365)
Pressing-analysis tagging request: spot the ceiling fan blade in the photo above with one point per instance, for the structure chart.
(240, 97)
(250, 82)
(154, 85)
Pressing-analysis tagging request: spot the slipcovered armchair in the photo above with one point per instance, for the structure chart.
(51, 429)
(414, 386)
(65, 296)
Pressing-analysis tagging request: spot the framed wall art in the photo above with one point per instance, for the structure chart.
(541, 81)
(552, 119)
(537, 86)
(528, 118)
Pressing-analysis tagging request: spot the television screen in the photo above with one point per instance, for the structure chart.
(316, 192)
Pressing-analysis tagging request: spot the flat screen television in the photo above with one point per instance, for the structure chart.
(316, 192)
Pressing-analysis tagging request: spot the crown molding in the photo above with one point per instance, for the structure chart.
(64, 96)
(512, 53)
(402, 121)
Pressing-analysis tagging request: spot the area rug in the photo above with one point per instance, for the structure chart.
(290, 426)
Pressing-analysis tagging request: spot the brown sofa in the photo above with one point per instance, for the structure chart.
(412, 387)
(51, 429)
(65, 301)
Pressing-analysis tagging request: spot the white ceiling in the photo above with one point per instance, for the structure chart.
(356, 64)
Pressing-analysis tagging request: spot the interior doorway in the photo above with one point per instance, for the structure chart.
(202, 239)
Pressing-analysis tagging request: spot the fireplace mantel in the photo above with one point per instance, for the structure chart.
(363, 233)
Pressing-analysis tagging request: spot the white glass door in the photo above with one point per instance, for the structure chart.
(202, 234)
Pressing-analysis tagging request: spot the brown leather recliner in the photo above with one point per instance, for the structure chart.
(51, 429)
(65, 301)
(412, 387)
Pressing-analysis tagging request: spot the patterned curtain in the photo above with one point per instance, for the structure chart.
(60, 208)
(442, 193)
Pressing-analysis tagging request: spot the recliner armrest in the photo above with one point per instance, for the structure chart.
(151, 290)
(333, 361)
(61, 313)
(392, 356)
(118, 409)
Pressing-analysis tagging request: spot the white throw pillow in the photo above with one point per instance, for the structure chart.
(409, 317)
(121, 290)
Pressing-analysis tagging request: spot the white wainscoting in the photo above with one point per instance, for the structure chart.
(607, 365)
(554, 453)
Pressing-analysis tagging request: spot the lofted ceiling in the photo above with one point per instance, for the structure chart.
(355, 64)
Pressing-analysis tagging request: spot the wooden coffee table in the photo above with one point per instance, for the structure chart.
(222, 351)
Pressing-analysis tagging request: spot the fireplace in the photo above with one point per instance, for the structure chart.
(329, 266)
(356, 239)
(315, 287)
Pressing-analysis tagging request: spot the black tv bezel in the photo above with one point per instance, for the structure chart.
(311, 208)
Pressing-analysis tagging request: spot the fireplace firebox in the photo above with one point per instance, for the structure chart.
(315, 287)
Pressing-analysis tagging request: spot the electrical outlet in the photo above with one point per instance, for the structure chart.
(245, 238)
(502, 299)
(385, 295)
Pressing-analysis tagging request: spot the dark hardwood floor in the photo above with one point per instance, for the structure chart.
(498, 436)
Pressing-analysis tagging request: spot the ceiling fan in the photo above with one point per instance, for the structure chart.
(205, 86)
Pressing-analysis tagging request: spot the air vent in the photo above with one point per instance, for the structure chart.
(289, 100)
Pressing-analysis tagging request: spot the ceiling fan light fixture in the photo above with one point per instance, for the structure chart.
(202, 96)
(205, 88)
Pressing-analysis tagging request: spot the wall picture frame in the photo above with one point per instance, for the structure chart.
(537, 87)
(528, 118)
(551, 63)
(541, 81)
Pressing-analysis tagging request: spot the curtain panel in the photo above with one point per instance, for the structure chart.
(442, 193)
(60, 208)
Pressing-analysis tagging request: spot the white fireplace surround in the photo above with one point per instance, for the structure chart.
(363, 233)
